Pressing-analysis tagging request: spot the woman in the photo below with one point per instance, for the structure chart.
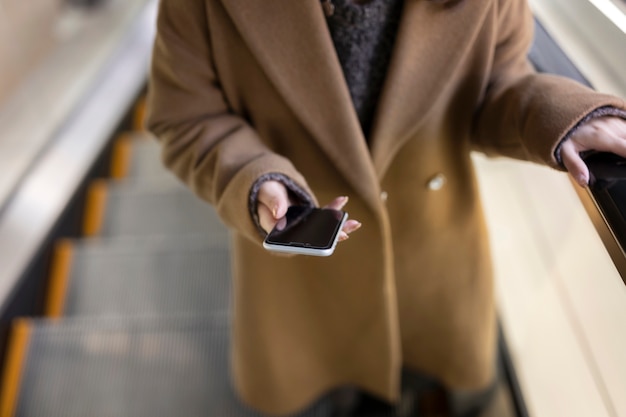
(260, 104)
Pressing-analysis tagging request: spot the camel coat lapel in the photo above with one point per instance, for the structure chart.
(291, 41)
(425, 56)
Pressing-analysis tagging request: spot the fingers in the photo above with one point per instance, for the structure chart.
(604, 134)
(574, 164)
(349, 227)
(273, 202)
(338, 203)
(266, 219)
(273, 195)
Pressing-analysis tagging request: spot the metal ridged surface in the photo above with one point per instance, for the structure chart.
(157, 209)
(146, 162)
(142, 368)
(156, 276)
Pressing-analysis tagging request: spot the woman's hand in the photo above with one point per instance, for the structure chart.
(605, 134)
(273, 202)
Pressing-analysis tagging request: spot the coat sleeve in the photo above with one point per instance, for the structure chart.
(213, 150)
(523, 114)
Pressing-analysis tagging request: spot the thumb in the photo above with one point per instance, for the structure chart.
(272, 204)
(574, 164)
(273, 195)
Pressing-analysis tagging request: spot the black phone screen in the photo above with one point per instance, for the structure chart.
(308, 227)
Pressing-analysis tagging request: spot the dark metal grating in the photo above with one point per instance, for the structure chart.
(145, 165)
(150, 276)
(117, 368)
(134, 210)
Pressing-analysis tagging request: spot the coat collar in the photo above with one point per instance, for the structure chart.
(292, 43)
(432, 43)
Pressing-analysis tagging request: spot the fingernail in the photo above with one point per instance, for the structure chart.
(582, 180)
(274, 211)
(353, 226)
(343, 236)
(281, 224)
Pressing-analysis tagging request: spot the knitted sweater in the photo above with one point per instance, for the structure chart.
(364, 35)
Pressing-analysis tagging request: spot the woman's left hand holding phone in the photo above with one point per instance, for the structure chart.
(273, 201)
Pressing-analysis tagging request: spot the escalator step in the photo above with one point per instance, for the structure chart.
(123, 209)
(139, 367)
(157, 276)
(115, 367)
(137, 157)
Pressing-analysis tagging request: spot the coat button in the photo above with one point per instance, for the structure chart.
(384, 196)
(437, 182)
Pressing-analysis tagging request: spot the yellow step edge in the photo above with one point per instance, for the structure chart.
(122, 156)
(59, 278)
(95, 208)
(139, 115)
(14, 367)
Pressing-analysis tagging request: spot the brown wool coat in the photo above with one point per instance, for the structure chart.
(240, 88)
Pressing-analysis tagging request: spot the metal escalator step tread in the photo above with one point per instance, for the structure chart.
(137, 157)
(131, 209)
(161, 241)
(146, 160)
(165, 367)
(142, 277)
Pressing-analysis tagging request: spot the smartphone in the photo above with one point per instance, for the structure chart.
(607, 184)
(307, 230)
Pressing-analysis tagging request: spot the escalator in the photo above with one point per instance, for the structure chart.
(137, 312)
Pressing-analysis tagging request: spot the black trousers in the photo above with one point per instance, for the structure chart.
(421, 396)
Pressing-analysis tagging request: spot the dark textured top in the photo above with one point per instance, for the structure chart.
(364, 35)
